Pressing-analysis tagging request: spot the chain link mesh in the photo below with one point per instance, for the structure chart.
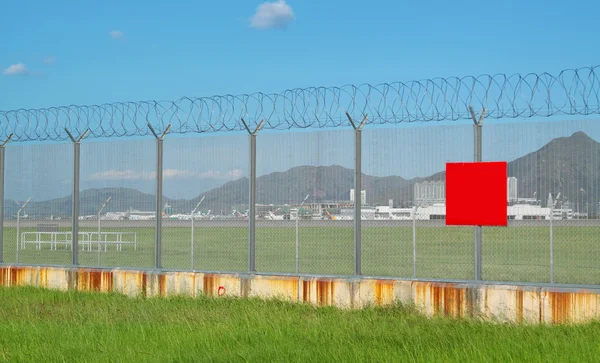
(38, 204)
(303, 202)
(124, 234)
(206, 177)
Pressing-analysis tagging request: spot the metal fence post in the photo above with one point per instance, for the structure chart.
(75, 208)
(357, 191)
(2, 158)
(477, 148)
(252, 198)
(159, 184)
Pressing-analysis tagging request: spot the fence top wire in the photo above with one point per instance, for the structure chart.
(570, 92)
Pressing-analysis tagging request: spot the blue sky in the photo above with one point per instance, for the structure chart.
(67, 52)
(104, 51)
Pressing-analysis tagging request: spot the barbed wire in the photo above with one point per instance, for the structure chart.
(571, 92)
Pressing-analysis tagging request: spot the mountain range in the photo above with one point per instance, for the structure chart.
(569, 165)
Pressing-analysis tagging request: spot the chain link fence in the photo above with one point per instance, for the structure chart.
(553, 203)
(206, 205)
(303, 220)
(303, 206)
(38, 204)
(117, 203)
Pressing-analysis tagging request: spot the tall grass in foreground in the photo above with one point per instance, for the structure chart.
(39, 325)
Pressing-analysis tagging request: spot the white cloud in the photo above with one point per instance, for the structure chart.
(123, 175)
(167, 174)
(234, 174)
(16, 69)
(277, 14)
(209, 174)
(49, 60)
(229, 175)
(116, 34)
(178, 174)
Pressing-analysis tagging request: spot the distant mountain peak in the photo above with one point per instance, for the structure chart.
(577, 140)
(580, 135)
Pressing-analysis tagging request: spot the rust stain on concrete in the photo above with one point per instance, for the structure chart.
(4, 273)
(143, 283)
(421, 291)
(87, 280)
(295, 286)
(16, 275)
(82, 280)
(325, 292)
(519, 306)
(209, 283)
(194, 289)
(446, 299)
(107, 279)
(384, 291)
(453, 301)
(162, 285)
(95, 280)
(43, 277)
(436, 298)
(561, 304)
(305, 291)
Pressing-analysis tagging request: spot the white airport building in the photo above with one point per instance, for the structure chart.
(429, 203)
(431, 197)
(363, 196)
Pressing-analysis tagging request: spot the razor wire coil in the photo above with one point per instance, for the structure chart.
(570, 92)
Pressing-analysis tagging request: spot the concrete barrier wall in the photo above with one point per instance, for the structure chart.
(506, 303)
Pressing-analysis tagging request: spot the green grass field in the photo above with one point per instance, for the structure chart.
(49, 326)
(509, 254)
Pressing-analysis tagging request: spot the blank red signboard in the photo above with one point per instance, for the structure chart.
(476, 194)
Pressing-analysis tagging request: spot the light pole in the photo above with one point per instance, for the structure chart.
(194, 212)
(297, 218)
(18, 226)
(414, 220)
(552, 203)
(100, 211)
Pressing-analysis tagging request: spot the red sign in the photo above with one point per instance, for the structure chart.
(476, 194)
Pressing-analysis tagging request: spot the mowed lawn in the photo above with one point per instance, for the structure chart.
(49, 326)
(509, 254)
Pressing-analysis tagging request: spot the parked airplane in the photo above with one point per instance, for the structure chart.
(273, 217)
